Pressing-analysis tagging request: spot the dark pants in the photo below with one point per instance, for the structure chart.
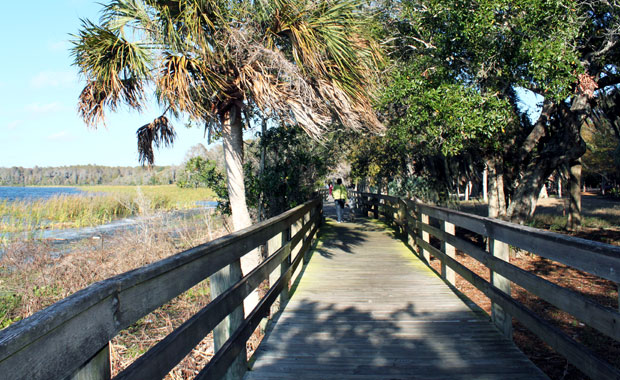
(339, 209)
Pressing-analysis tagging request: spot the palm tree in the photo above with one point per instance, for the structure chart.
(307, 62)
(302, 60)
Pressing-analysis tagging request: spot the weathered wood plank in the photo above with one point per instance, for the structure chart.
(367, 308)
(600, 259)
(576, 353)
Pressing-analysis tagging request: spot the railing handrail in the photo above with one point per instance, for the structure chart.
(602, 260)
(57, 341)
(547, 244)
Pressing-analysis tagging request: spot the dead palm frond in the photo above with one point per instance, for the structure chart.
(159, 132)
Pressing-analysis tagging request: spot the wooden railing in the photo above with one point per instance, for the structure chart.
(419, 222)
(70, 338)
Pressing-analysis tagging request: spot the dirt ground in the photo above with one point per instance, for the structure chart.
(602, 291)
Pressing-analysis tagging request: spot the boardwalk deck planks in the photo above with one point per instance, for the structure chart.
(367, 308)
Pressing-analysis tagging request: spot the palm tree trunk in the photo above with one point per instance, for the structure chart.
(232, 134)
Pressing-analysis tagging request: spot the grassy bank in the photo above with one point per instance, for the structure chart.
(100, 205)
(166, 196)
(31, 279)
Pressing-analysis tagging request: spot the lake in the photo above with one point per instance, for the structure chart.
(11, 193)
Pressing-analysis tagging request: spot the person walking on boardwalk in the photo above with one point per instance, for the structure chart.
(340, 198)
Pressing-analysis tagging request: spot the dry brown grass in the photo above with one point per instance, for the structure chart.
(32, 279)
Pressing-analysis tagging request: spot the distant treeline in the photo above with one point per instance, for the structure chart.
(89, 175)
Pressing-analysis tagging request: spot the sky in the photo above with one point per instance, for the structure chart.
(39, 90)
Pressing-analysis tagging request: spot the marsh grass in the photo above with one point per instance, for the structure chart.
(32, 279)
(161, 196)
(100, 205)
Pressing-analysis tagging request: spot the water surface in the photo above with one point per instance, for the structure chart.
(14, 193)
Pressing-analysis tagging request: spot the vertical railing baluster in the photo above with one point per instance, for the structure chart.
(97, 368)
(220, 282)
(446, 272)
(502, 320)
(424, 254)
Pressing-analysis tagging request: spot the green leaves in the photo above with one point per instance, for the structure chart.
(115, 68)
(201, 172)
(444, 118)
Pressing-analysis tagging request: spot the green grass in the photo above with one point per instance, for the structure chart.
(558, 223)
(172, 195)
(102, 205)
(8, 304)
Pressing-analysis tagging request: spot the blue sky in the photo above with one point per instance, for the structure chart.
(39, 89)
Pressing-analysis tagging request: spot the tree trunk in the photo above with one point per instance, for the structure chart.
(232, 135)
(574, 203)
(497, 197)
(261, 171)
(485, 175)
(525, 196)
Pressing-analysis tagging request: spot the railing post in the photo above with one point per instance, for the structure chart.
(273, 245)
(402, 217)
(375, 204)
(308, 236)
(446, 272)
(220, 282)
(412, 231)
(502, 320)
(97, 368)
(424, 254)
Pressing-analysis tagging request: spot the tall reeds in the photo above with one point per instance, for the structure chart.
(100, 205)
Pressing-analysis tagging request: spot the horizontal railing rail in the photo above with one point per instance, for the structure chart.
(419, 222)
(70, 338)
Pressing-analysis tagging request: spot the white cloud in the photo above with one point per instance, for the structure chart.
(58, 46)
(61, 136)
(53, 79)
(38, 108)
(14, 124)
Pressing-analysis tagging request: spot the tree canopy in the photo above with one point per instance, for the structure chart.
(453, 102)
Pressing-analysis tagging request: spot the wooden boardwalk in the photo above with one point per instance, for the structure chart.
(367, 308)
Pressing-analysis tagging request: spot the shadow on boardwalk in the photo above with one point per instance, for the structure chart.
(324, 341)
(366, 308)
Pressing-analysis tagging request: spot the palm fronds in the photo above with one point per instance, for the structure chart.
(184, 83)
(159, 132)
(114, 67)
(308, 61)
